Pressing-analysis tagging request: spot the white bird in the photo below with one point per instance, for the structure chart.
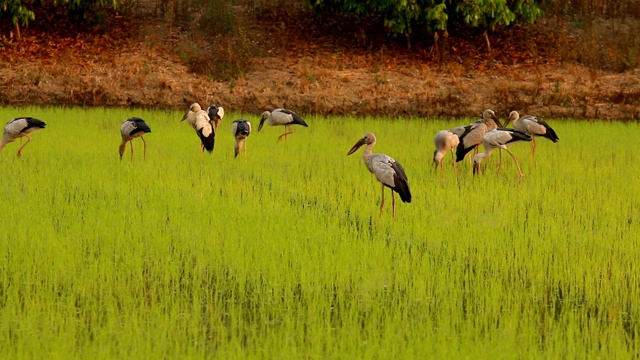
(130, 129)
(445, 141)
(202, 124)
(216, 113)
(241, 129)
(472, 134)
(499, 139)
(281, 117)
(533, 126)
(18, 128)
(388, 171)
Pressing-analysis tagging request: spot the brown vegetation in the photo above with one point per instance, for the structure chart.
(249, 58)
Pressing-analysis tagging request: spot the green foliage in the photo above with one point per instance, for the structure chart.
(407, 16)
(17, 12)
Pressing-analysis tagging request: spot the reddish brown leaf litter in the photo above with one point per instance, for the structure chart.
(140, 63)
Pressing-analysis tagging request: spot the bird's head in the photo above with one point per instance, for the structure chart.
(263, 118)
(513, 116)
(121, 150)
(489, 114)
(367, 139)
(477, 159)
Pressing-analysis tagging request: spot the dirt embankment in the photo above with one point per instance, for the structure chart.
(148, 70)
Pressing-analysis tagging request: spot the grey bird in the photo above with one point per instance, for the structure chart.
(533, 126)
(472, 134)
(18, 128)
(241, 129)
(445, 141)
(202, 124)
(130, 129)
(279, 117)
(499, 139)
(386, 169)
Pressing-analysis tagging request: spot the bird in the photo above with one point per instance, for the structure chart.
(445, 140)
(472, 134)
(130, 129)
(202, 124)
(281, 117)
(533, 126)
(386, 169)
(241, 129)
(499, 139)
(18, 128)
(216, 113)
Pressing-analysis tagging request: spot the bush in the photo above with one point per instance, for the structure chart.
(406, 17)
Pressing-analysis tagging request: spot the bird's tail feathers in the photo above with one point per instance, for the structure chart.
(402, 188)
(551, 135)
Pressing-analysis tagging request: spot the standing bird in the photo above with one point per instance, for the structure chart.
(18, 128)
(202, 124)
(216, 113)
(499, 139)
(282, 117)
(389, 172)
(472, 134)
(241, 129)
(445, 140)
(533, 126)
(130, 129)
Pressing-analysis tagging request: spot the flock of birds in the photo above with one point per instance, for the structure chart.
(487, 131)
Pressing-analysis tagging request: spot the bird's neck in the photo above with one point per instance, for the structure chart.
(368, 151)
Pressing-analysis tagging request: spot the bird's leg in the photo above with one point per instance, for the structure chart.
(288, 130)
(25, 144)
(245, 149)
(145, 148)
(201, 148)
(393, 203)
(131, 144)
(382, 202)
(453, 156)
(517, 165)
(500, 162)
(533, 145)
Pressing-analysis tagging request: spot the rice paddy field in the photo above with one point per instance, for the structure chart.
(283, 254)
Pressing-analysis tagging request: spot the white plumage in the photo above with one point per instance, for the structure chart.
(386, 169)
(445, 140)
(533, 126)
(499, 139)
(18, 128)
(281, 117)
(130, 129)
(202, 124)
(240, 129)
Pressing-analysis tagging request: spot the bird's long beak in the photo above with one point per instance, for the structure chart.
(495, 118)
(356, 146)
(261, 123)
(185, 116)
(506, 123)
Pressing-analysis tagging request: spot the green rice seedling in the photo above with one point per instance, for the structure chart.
(284, 254)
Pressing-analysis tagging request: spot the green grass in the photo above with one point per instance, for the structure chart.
(284, 254)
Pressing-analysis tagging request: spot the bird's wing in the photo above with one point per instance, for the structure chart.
(473, 134)
(203, 123)
(15, 126)
(249, 126)
(234, 128)
(382, 167)
(220, 112)
(280, 117)
(127, 127)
